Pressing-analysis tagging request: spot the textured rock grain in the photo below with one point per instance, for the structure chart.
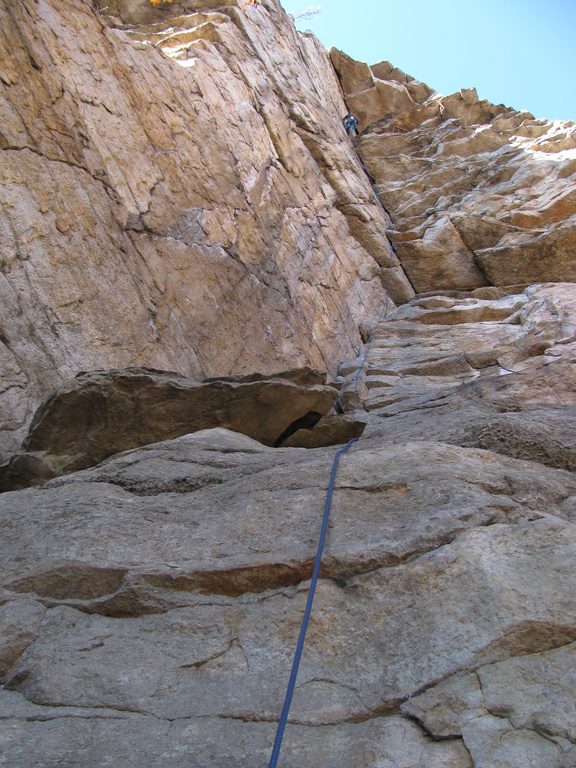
(495, 373)
(173, 579)
(477, 193)
(180, 196)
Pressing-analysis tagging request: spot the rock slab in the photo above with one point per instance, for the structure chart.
(166, 586)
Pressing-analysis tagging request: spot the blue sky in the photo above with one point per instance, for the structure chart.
(522, 54)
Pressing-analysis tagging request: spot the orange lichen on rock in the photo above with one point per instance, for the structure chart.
(244, 5)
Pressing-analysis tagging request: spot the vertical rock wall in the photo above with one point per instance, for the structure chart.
(178, 194)
(178, 191)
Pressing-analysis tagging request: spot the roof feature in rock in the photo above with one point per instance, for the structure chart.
(102, 413)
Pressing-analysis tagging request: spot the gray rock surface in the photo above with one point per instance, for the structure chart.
(494, 373)
(173, 578)
(515, 712)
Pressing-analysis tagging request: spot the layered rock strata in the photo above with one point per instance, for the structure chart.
(478, 193)
(152, 608)
(471, 362)
(180, 196)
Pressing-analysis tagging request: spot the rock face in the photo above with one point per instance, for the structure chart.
(150, 611)
(166, 586)
(478, 194)
(180, 196)
(476, 370)
(181, 171)
(102, 413)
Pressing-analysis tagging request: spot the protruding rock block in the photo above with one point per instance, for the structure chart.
(354, 75)
(545, 257)
(102, 413)
(383, 99)
(329, 430)
(440, 259)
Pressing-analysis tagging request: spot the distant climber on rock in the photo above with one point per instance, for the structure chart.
(351, 125)
(249, 2)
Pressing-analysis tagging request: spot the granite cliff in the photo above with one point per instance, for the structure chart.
(181, 208)
(179, 195)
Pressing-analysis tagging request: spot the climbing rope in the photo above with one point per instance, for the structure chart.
(306, 619)
(315, 574)
(325, 518)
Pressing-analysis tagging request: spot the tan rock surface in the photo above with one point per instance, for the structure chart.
(505, 180)
(181, 196)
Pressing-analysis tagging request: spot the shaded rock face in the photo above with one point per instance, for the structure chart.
(104, 412)
(179, 195)
(478, 194)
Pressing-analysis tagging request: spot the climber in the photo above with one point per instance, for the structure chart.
(351, 125)
(249, 2)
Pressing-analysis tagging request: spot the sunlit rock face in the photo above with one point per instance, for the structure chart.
(180, 195)
(479, 194)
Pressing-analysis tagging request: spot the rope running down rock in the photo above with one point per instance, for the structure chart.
(315, 574)
(305, 620)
